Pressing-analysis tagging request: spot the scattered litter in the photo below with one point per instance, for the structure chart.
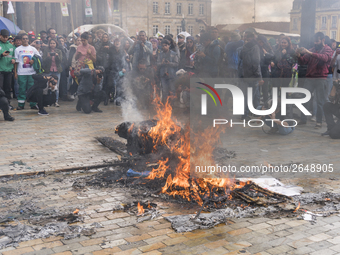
(131, 173)
(96, 225)
(20, 163)
(76, 211)
(14, 234)
(275, 185)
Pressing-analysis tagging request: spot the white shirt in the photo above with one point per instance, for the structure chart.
(23, 55)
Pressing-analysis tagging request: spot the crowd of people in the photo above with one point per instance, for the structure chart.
(94, 67)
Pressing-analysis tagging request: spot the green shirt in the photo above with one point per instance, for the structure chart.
(5, 62)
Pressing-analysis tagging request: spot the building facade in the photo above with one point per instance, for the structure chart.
(326, 19)
(151, 16)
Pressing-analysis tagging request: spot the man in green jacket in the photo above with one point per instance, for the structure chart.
(7, 62)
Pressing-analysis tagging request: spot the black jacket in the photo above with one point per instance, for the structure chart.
(39, 83)
(103, 55)
(251, 60)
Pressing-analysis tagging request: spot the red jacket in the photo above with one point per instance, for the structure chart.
(318, 63)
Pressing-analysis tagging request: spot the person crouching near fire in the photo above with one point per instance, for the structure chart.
(276, 121)
(90, 89)
(43, 92)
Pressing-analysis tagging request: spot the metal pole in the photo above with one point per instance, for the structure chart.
(71, 16)
(254, 12)
(15, 29)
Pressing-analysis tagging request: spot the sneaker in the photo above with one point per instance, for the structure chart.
(19, 108)
(56, 104)
(9, 118)
(313, 119)
(96, 109)
(318, 126)
(35, 107)
(43, 112)
(326, 133)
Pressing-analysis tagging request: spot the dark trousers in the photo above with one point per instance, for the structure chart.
(41, 99)
(4, 106)
(63, 84)
(320, 87)
(6, 83)
(84, 101)
(332, 127)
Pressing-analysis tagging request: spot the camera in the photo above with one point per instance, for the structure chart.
(52, 54)
(53, 83)
(100, 75)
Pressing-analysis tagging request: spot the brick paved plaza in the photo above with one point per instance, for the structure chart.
(66, 139)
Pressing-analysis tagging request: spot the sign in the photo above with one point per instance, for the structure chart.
(88, 8)
(10, 9)
(64, 9)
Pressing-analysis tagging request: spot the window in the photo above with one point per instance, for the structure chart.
(190, 9)
(323, 22)
(295, 24)
(179, 29)
(179, 8)
(155, 7)
(201, 9)
(201, 28)
(333, 35)
(167, 8)
(190, 29)
(115, 5)
(334, 21)
(167, 30)
(155, 29)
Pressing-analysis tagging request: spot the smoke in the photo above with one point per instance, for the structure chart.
(242, 11)
(128, 101)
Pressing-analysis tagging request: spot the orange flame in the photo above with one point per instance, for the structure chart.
(297, 208)
(140, 209)
(168, 132)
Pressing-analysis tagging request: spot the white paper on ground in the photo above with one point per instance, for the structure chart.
(275, 185)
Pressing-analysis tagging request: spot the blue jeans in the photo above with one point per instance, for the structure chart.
(320, 87)
(168, 88)
(282, 130)
(57, 91)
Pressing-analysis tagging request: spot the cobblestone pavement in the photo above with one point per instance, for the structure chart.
(122, 234)
(66, 138)
(63, 139)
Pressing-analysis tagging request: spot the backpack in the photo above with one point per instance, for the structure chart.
(37, 65)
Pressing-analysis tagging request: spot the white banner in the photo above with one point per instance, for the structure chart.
(64, 9)
(10, 9)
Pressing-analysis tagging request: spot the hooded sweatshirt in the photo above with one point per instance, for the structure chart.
(5, 62)
(251, 60)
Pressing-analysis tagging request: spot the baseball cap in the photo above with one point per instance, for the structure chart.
(181, 36)
(31, 33)
(4, 32)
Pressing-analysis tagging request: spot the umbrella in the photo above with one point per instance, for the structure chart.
(9, 25)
